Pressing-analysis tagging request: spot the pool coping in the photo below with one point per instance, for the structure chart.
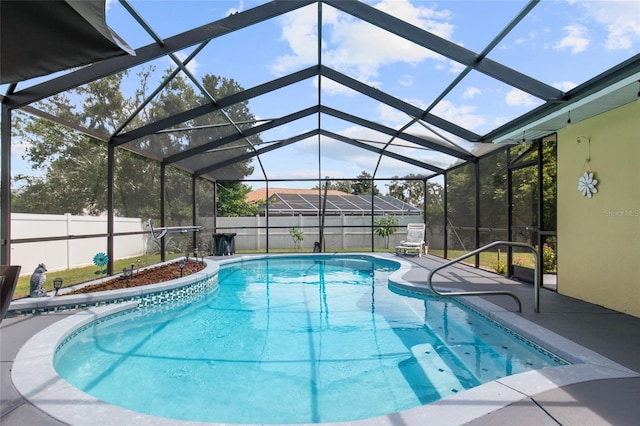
(35, 378)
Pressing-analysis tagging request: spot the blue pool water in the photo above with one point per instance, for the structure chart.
(293, 340)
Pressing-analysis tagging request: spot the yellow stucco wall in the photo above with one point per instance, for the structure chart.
(599, 238)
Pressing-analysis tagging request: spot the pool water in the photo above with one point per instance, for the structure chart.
(293, 340)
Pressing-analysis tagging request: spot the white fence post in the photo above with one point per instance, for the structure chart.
(68, 242)
(257, 231)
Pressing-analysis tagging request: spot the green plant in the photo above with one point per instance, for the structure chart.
(385, 227)
(548, 258)
(518, 262)
(297, 236)
(500, 267)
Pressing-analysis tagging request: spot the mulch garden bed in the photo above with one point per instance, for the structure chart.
(157, 274)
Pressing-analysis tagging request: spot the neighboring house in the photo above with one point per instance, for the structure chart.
(310, 202)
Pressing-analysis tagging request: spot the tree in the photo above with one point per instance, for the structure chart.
(297, 236)
(461, 196)
(232, 203)
(75, 165)
(337, 185)
(411, 189)
(385, 227)
(363, 185)
(493, 190)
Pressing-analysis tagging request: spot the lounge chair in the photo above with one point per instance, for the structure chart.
(415, 240)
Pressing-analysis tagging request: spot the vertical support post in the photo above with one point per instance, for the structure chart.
(509, 211)
(215, 215)
(445, 209)
(424, 201)
(343, 224)
(476, 168)
(111, 154)
(373, 210)
(257, 230)
(67, 222)
(540, 213)
(427, 233)
(537, 281)
(194, 209)
(266, 213)
(162, 201)
(215, 207)
(5, 187)
(323, 211)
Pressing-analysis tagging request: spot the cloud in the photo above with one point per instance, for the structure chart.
(577, 39)
(233, 10)
(333, 88)
(532, 35)
(299, 30)
(351, 159)
(517, 97)
(456, 67)
(192, 66)
(621, 20)
(470, 92)
(391, 117)
(462, 115)
(406, 80)
(565, 86)
(344, 160)
(354, 46)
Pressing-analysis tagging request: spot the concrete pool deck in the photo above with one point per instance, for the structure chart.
(603, 390)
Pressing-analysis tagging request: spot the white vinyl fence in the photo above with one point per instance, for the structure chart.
(64, 254)
(340, 233)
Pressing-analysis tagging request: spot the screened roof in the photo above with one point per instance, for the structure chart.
(335, 87)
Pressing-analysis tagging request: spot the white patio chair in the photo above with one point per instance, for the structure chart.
(415, 240)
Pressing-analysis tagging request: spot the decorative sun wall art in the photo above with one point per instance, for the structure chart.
(586, 182)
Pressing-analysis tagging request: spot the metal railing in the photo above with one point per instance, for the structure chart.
(536, 277)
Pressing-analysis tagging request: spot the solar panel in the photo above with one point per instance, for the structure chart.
(311, 204)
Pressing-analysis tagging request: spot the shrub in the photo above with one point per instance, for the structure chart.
(548, 258)
(500, 267)
(297, 236)
(386, 226)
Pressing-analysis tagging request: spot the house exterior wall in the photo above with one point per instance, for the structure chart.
(599, 237)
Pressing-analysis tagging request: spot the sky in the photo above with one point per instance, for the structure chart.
(561, 43)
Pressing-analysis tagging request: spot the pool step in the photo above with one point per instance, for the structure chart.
(436, 370)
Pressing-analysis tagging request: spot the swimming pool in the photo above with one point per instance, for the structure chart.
(293, 340)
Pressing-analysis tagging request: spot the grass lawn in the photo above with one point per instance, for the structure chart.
(488, 259)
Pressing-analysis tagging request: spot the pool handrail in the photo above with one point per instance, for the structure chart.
(536, 277)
